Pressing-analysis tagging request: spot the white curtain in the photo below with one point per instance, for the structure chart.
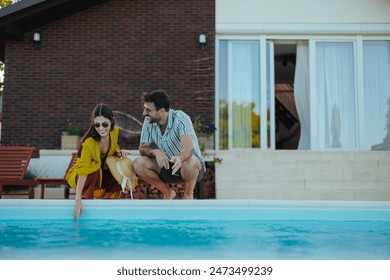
(302, 94)
(245, 96)
(335, 96)
(376, 67)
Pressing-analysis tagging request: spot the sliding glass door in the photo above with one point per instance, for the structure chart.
(341, 93)
(352, 95)
(335, 96)
(243, 108)
(376, 72)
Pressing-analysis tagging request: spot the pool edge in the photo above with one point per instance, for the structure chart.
(13, 209)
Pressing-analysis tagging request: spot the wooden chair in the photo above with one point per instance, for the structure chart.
(129, 126)
(57, 181)
(14, 161)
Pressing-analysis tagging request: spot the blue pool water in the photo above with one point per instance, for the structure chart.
(194, 239)
(332, 234)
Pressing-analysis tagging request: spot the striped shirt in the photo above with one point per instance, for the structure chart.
(179, 123)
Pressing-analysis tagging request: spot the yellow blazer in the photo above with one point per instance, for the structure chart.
(90, 160)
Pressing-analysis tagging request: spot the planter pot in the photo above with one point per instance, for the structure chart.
(206, 142)
(69, 142)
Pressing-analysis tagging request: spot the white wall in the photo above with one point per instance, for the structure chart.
(303, 175)
(303, 11)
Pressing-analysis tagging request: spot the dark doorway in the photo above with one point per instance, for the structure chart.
(287, 128)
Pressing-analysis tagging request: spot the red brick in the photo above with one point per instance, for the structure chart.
(109, 53)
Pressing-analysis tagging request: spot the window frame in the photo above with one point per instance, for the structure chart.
(358, 74)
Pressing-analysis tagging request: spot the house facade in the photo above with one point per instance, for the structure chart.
(299, 91)
(312, 76)
(105, 51)
(335, 58)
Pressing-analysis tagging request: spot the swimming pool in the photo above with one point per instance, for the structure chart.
(198, 229)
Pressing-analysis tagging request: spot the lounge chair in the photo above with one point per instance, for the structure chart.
(57, 181)
(14, 161)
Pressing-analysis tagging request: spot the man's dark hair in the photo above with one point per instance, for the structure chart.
(159, 97)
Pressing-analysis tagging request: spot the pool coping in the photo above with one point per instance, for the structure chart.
(231, 203)
(14, 209)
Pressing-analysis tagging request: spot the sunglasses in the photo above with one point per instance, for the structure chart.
(148, 110)
(105, 125)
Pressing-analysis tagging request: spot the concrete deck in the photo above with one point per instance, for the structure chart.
(270, 175)
(307, 175)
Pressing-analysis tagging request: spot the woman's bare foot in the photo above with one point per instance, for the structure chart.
(106, 195)
(171, 196)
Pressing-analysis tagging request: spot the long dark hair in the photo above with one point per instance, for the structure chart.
(100, 110)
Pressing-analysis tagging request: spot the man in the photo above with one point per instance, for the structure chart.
(169, 147)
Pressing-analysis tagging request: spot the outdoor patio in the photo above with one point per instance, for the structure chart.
(270, 175)
(53, 164)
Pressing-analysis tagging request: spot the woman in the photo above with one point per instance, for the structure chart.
(90, 175)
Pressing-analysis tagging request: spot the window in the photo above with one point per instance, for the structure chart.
(246, 94)
(376, 71)
(335, 96)
(341, 91)
(239, 95)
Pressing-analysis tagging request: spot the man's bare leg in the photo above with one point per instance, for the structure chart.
(147, 170)
(189, 173)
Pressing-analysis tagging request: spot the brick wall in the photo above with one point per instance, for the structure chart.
(108, 53)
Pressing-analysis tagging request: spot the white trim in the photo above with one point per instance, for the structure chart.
(216, 99)
(232, 37)
(230, 98)
(263, 93)
(271, 80)
(313, 99)
(359, 92)
(356, 93)
(308, 29)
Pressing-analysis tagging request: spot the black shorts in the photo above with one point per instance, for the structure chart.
(167, 177)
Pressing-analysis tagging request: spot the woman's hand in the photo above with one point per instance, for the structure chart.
(78, 209)
(122, 153)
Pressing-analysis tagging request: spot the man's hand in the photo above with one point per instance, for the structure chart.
(176, 164)
(162, 159)
(146, 149)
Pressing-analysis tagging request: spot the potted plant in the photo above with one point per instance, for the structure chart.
(205, 134)
(70, 137)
